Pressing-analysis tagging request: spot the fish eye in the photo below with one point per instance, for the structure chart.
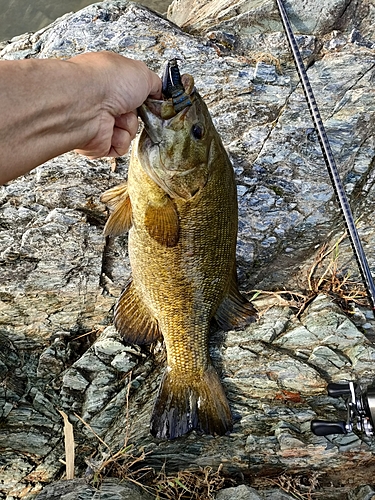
(197, 131)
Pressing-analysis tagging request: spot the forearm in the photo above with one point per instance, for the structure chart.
(47, 107)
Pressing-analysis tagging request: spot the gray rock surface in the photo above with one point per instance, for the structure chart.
(246, 493)
(60, 277)
(240, 493)
(79, 488)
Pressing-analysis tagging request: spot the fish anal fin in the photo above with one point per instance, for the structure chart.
(118, 201)
(235, 311)
(133, 320)
(162, 223)
(188, 403)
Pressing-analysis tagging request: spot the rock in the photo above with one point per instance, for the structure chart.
(79, 488)
(250, 18)
(246, 493)
(240, 493)
(60, 277)
(364, 493)
(276, 494)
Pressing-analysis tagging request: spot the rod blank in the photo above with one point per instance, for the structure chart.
(329, 159)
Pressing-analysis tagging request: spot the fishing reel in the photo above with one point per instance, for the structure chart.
(360, 407)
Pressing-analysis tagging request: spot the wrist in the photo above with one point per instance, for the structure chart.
(88, 86)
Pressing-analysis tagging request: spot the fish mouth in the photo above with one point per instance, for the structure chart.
(152, 113)
(178, 95)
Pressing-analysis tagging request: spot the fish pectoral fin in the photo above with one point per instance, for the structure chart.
(235, 311)
(162, 223)
(118, 201)
(113, 195)
(190, 403)
(133, 319)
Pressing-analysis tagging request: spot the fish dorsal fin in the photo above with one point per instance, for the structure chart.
(118, 201)
(235, 311)
(161, 221)
(133, 319)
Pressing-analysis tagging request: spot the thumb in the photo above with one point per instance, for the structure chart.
(155, 86)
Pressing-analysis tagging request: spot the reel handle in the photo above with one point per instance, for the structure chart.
(325, 427)
(336, 390)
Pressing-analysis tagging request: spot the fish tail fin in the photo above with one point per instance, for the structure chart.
(185, 403)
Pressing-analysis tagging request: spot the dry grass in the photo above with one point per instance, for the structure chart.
(299, 486)
(200, 484)
(126, 464)
(325, 276)
(69, 446)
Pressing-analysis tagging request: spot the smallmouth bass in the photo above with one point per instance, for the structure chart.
(180, 207)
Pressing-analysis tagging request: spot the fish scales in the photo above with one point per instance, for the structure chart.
(183, 285)
(182, 242)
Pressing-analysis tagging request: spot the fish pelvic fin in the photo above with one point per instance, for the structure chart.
(235, 311)
(162, 223)
(184, 404)
(118, 201)
(133, 319)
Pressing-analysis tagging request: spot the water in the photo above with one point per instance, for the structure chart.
(21, 16)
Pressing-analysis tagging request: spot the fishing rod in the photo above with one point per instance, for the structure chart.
(329, 159)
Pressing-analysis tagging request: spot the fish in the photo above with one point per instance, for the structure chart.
(179, 205)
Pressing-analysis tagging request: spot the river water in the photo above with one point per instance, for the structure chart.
(20, 16)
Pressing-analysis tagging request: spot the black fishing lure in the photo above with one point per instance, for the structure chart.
(173, 88)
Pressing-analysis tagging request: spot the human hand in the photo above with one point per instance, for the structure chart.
(124, 85)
